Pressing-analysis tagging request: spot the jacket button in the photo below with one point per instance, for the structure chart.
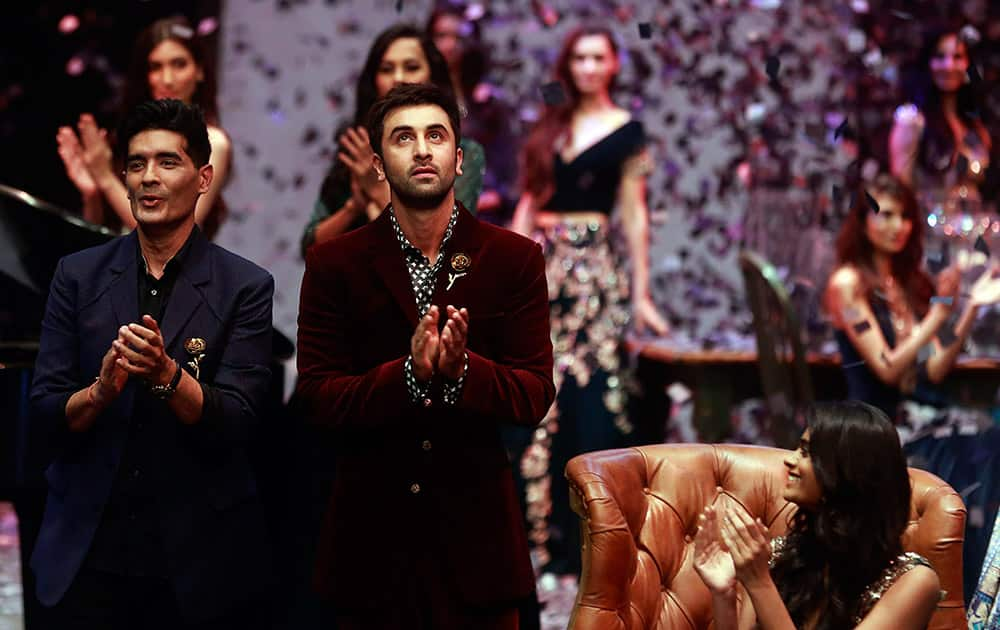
(426, 445)
(415, 488)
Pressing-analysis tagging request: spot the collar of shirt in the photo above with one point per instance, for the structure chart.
(173, 266)
(411, 250)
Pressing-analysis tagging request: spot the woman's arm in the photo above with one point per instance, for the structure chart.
(221, 160)
(635, 220)
(524, 215)
(851, 313)
(904, 142)
(985, 291)
(746, 540)
(908, 604)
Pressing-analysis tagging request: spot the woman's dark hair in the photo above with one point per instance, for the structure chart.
(835, 551)
(179, 30)
(854, 248)
(411, 96)
(475, 58)
(338, 179)
(937, 146)
(536, 156)
(172, 115)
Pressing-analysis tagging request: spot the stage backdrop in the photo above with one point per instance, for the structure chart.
(741, 100)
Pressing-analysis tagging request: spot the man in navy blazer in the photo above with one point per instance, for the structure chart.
(151, 373)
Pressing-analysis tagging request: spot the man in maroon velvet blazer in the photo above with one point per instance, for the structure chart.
(419, 334)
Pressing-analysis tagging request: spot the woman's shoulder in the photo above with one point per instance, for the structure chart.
(845, 279)
(219, 140)
(910, 577)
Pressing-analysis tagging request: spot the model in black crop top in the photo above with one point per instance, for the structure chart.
(593, 298)
(590, 181)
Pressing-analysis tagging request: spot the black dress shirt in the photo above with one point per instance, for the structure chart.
(128, 540)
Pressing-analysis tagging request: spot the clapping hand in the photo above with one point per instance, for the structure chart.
(712, 560)
(986, 289)
(425, 345)
(142, 353)
(748, 545)
(451, 362)
(356, 153)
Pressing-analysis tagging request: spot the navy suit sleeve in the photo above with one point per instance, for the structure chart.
(57, 368)
(236, 397)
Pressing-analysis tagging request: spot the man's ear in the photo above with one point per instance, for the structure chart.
(205, 175)
(379, 167)
(458, 161)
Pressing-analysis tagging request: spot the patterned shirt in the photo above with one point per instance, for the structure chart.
(423, 278)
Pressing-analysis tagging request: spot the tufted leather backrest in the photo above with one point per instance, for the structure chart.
(639, 509)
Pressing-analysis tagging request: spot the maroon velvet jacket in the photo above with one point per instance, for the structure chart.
(416, 484)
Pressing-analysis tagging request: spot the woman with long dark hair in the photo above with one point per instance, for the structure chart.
(891, 323)
(485, 116)
(939, 144)
(351, 194)
(169, 61)
(842, 564)
(583, 159)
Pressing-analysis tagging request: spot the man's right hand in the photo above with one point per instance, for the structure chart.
(112, 379)
(426, 345)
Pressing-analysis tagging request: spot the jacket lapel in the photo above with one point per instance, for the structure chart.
(124, 288)
(387, 258)
(186, 297)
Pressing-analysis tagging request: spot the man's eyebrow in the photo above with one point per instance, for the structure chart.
(432, 127)
(161, 155)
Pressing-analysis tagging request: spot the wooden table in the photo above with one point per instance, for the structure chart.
(718, 378)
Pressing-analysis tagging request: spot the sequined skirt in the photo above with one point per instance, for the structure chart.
(588, 300)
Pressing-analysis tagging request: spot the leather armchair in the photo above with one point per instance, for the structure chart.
(639, 509)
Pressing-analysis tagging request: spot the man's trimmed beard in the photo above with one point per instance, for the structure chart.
(419, 197)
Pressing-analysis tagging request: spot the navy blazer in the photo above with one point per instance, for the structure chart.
(212, 520)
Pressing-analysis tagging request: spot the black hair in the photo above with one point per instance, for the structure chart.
(837, 549)
(411, 95)
(170, 115)
(179, 30)
(338, 179)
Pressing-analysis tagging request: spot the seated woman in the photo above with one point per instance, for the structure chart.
(169, 61)
(895, 337)
(842, 563)
(351, 194)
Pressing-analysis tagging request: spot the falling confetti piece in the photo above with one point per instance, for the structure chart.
(872, 203)
(862, 327)
(947, 300)
(772, 67)
(885, 359)
(842, 128)
(981, 246)
(848, 366)
(645, 30)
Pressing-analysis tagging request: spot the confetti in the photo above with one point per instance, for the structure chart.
(772, 67)
(885, 359)
(981, 246)
(842, 128)
(947, 300)
(554, 94)
(925, 353)
(862, 327)
(974, 77)
(872, 203)
(848, 366)
(645, 30)
(903, 15)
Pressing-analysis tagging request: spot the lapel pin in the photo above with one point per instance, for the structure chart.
(460, 264)
(195, 346)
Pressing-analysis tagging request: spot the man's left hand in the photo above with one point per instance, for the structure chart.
(451, 360)
(142, 352)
